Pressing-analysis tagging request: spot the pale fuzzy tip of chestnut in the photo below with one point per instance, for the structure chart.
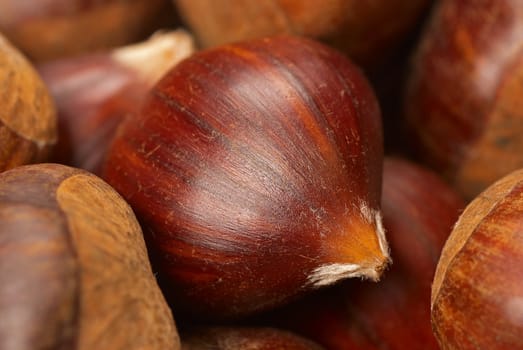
(151, 59)
(372, 269)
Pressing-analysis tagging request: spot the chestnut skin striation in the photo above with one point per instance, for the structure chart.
(49, 29)
(477, 294)
(95, 92)
(74, 271)
(419, 209)
(241, 338)
(463, 103)
(28, 127)
(255, 169)
(368, 31)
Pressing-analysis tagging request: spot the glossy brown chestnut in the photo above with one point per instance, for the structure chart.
(74, 272)
(95, 92)
(241, 338)
(255, 169)
(463, 102)
(419, 210)
(27, 114)
(366, 30)
(477, 295)
(49, 29)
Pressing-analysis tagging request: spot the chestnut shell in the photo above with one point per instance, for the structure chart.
(463, 104)
(255, 169)
(477, 291)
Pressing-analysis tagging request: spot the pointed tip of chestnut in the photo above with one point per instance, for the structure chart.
(153, 57)
(366, 257)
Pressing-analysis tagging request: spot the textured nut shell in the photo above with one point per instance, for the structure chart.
(27, 115)
(74, 266)
(477, 294)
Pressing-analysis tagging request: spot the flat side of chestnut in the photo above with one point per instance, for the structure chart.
(104, 280)
(482, 259)
(39, 289)
(238, 338)
(266, 154)
(27, 109)
(456, 89)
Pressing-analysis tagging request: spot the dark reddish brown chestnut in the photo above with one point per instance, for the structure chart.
(463, 102)
(49, 29)
(28, 129)
(95, 92)
(255, 169)
(366, 30)
(419, 210)
(477, 294)
(241, 338)
(74, 272)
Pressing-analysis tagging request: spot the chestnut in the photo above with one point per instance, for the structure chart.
(240, 338)
(74, 271)
(50, 29)
(28, 128)
(463, 105)
(95, 92)
(368, 31)
(477, 294)
(419, 209)
(255, 170)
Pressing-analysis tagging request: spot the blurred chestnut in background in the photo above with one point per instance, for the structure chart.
(95, 92)
(255, 169)
(48, 29)
(241, 338)
(477, 295)
(28, 128)
(368, 31)
(419, 210)
(74, 272)
(463, 102)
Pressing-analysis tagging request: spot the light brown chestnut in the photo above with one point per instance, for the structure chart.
(255, 169)
(368, 31)
(241, 338)
(477, 294)
(95, 92)
(419, 209)
(28, 127)
(49, 29)
(463, 104)
(74, 272)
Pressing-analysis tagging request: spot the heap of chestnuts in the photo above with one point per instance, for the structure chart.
(206, 175)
